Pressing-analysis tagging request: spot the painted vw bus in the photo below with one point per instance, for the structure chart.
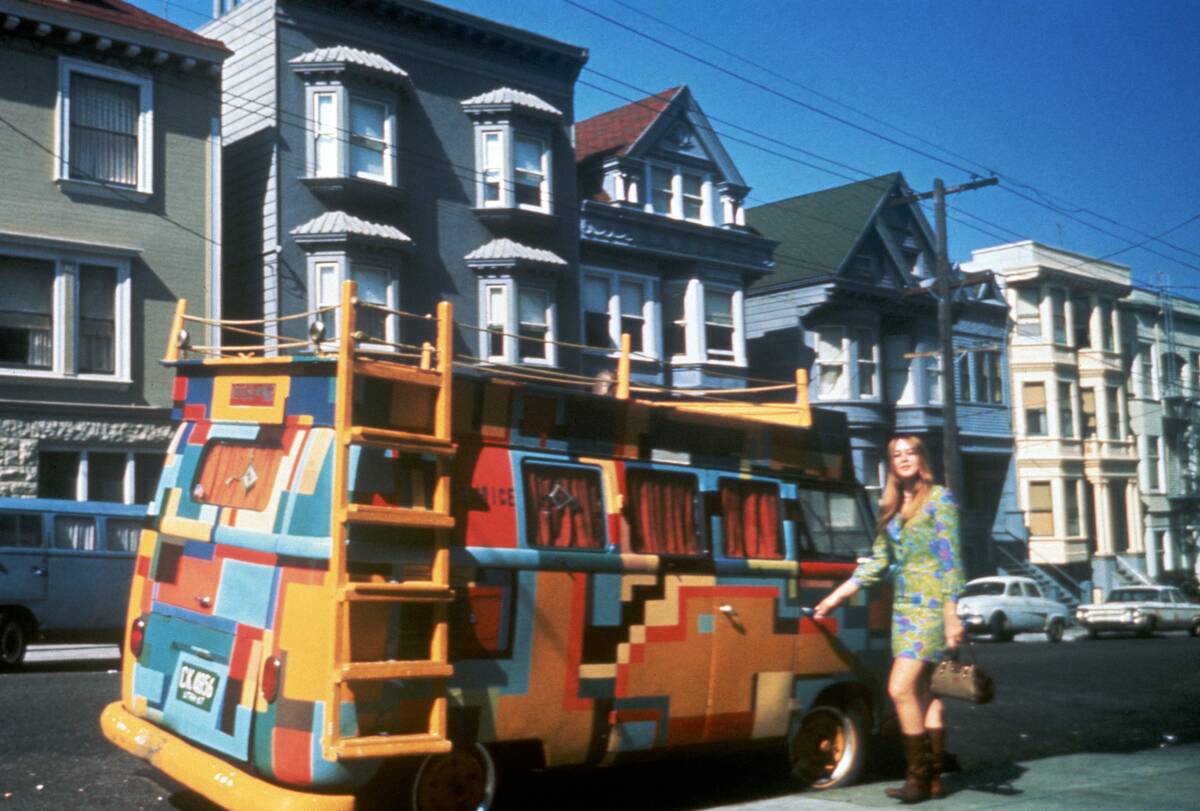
(362, 554)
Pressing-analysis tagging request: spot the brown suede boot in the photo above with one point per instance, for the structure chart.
(937, 762)
(916, 776)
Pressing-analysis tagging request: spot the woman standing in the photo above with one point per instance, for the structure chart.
(918, 532)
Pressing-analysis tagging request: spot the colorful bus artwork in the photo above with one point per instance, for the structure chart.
(361, 554)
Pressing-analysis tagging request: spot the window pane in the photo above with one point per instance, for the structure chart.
(58, 472)
(497, 319)
(660, 508)
(1088, 409)
(493, 167)
(372, 288)
(1066, 417)
(563, 507)
(368, 138)
(1034, 398)
(529, 174)
(718, 307)
(368, 119)
(325, 150)
(123, 534)
(71, 532)
(675, 329)
(1081, 308)
(106, 476)
(146, 469)
(661, 193)
(533, 307)
(693, 199)
(97, 297)
(26, 321)
(595, 317)
(104, 130)
(1071, 506)
(632, 298)
(20, 529)
(595, 294)
(1041, 509)
(750, 519)
(534, 327)
(835, 523)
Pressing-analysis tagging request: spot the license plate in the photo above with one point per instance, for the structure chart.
(197, 686)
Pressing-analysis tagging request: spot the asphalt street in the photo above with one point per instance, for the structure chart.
(1076, 702)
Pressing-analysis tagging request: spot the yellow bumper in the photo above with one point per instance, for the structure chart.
(205, 773)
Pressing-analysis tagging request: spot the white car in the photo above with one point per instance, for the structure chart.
(1005, 605)
(1141, 609)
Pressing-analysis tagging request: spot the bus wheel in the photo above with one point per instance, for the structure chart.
(829, 748)
(12, 642)
(461, 780)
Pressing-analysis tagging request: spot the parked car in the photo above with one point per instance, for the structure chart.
(1005, 605)
(1141, 609)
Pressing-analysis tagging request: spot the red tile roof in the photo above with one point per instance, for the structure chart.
(118, 12)
(613, 132)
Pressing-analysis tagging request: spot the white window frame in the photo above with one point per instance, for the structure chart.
(507, 136)
(1045, 409)
(62, 163)
(695, 342)
(66, 282)
(857, 334)
(677, 209)
(824, 336)
(344, 264)
(991, 385)
(548, 351)
(1029, 327)
(651, 341)
(344, 135)
(737, 355)
(510, 290)
(128, 475)
(1066, 409)
(1029, 511)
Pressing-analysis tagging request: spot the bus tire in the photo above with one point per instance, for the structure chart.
(12, 641)
(828, 748)
(461, 780)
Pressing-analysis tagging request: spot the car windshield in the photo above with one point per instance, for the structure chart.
(1132, 596)
(987, 589)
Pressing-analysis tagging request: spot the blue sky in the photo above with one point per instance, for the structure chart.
(1088, 108)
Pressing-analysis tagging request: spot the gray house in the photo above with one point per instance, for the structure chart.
(666, 256)
(422, 152)
(109, 212)
(849, 299)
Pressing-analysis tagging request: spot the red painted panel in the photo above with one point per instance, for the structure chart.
(813, 568)
(486, 509)
(292, 751)
(195, 411)
(179, 391)
(484, 603)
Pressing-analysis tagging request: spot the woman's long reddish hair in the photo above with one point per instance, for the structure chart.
(893, 495)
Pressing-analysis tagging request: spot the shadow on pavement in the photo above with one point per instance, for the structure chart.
(997, 780)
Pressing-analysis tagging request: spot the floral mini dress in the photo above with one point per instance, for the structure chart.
(923, 558)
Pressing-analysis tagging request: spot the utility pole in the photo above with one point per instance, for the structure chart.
(951, 456)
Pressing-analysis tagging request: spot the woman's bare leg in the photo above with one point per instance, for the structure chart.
(935, 716)
(909, 691)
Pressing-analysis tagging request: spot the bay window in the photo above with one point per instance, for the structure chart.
(703, 322)
(1066, 418)
(533, 327)
(868, 361)
(350, 135)
(616, 304)
(933, 373)
(1029, 319)
(1058, 307)
(897, 369)
(831, 364)
(679, 193)
(496, 321)
(1071, 506)
(1033, 400)
(376, 285)
(105, 127)
(992, 390)
(1041, 510)
(718, 324)
(514, 170)
(64, 316)
(517, 321)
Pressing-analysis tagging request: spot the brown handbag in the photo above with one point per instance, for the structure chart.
(966, 682)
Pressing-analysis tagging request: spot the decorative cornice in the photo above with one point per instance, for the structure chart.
(335, 227)
(508, 100)
(340, 59)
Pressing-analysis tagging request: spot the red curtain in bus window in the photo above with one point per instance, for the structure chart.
(563, 507)
(750, 512)
(662, 514)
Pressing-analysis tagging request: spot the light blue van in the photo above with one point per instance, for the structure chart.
(65, 569)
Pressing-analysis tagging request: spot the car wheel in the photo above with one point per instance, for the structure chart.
(1148, 631)
(461, 780)
(1000, 627)
(1093, 633)
(12, 642)
(829, 747)
(1195, 629)
(1054, 631)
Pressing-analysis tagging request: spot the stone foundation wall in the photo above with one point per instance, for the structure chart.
(22, 437)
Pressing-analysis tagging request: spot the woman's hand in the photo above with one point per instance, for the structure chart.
(834, 598)
(954, 627)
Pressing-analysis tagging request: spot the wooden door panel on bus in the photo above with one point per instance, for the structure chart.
(753, 661)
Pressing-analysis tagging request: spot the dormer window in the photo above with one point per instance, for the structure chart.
(351, 114)
(679, 193)
(513, 136)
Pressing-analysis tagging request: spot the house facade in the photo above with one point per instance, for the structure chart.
(850, 299)
(665, 254)
(422, 152)
(109, 212)
(1162, 353)
(1077, 459)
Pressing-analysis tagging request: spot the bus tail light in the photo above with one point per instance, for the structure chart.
(137, 636)
(270, 679)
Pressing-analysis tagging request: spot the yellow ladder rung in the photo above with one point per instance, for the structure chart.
(398, 516)
(404, 440)
(424, 743)
(399, 372)
(394, 669)
(411, 592)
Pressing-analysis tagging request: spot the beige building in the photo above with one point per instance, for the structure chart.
(1077, 460)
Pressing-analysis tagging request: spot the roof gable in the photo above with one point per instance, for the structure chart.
(819, 232)
(613, 132)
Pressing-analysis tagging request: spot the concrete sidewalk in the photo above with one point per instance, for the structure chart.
(1153, 780)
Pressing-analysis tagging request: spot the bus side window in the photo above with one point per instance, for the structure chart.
(750, 522)
(20, 529)
(123, 534)
(563, 509)
(793, 511)
(837, 523)
(661, 510)
(75, 532)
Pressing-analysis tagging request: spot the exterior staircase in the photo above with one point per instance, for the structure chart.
(1129, 574)
(1069, 593)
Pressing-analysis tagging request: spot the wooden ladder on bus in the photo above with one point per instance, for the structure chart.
(433, 373)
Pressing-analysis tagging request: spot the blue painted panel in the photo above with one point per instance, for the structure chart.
(245, 592)
(633, 736)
